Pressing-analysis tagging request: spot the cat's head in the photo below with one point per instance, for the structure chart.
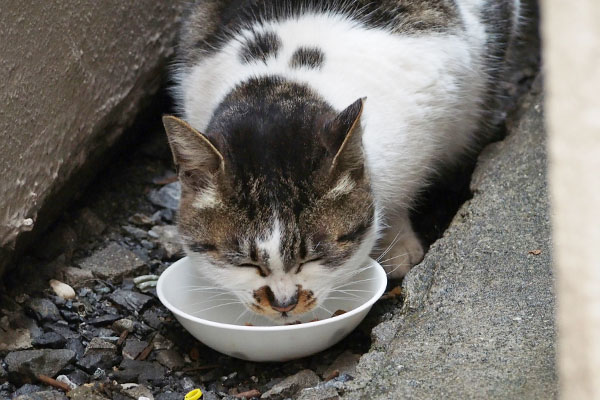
(276, 203)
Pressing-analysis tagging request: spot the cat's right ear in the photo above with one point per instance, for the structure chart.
(343, 139)
(196, 158)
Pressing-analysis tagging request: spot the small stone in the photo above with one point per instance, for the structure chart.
(31, 363)
(167, 197)
(166, 215)
(133, 347)
(345, 363)
(123, 324)
(292, 385)
(43, 310)
(65, 379)
(132, 301)
(97, 344)
(136, 391)
(140, 371)
(161, 343)
(74, 276)
(51, 340)
(62, 330)
(71, 316)
(168, 238)
(170, 359)
(99, 374)
(103, 320)
(152, 317)
(78, 377)
(14, 332)
(135, 232)
(98, 360)
(113, 262)
(62, 290)
(147, 244)
(140, 220)
(75, 345)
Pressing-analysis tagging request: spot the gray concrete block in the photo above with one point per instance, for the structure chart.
(73, 75)
(479, 317)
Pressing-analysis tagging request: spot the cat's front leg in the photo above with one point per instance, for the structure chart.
(399, 249)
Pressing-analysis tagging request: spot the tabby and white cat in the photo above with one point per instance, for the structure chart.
(312, 125)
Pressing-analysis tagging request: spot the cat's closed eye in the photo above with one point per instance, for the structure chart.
(259, 269)
(302, 264)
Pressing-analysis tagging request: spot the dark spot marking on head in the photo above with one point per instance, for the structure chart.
(311, 57)
(202, 247)
(260, 47)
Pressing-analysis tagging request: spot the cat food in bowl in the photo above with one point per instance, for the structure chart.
(216, 319)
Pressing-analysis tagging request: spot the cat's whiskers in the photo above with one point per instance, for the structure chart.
(396, 265)
(324, 309)
(218, 305)
(350, 294)
(212, 300)
(353, 282)
(343, 298)
(240, 316)
(389, 247)
(393, 258)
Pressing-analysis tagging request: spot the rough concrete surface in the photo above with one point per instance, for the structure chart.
(73, 75)
(478, 321)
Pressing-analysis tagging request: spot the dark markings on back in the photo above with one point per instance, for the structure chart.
(211, 23)
(311, 57)
(260, 47)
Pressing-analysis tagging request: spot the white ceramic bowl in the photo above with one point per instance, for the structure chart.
(219, 322)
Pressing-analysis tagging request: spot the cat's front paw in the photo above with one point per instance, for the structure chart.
(404, 254)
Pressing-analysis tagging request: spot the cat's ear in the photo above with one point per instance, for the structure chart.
(344, 138)
(196, 158)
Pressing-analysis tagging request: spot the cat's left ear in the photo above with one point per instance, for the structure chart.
(344, 138)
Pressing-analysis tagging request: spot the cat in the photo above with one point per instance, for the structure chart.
(309, 127)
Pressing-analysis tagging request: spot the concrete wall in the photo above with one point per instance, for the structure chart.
(571, 34)
(73, 75)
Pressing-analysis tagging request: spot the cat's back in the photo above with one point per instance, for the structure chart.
(424, 65)
(350, 47)
(208, 24)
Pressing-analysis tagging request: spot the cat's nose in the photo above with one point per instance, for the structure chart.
(282, 306)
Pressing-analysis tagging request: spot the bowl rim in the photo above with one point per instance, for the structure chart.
(380, 274)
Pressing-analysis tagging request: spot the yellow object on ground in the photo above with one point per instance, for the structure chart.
(193, 395)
